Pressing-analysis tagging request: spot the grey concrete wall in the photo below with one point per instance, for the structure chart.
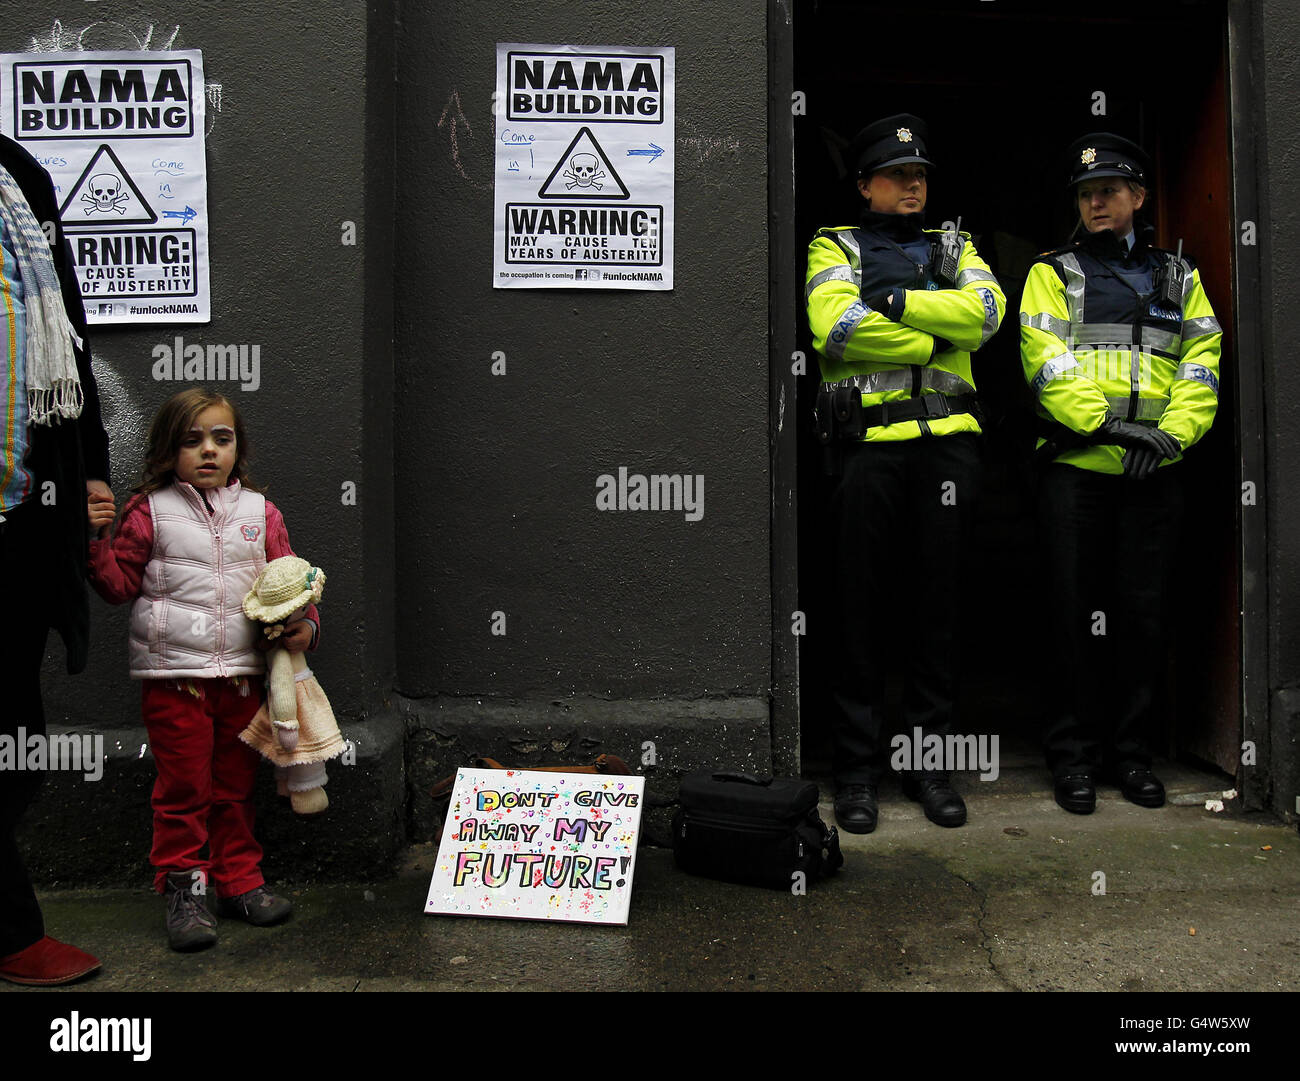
(476, 494)
(1277, 80)
(300, 142)
(496, 476)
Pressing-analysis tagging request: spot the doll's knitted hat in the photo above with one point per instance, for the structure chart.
(284, 586)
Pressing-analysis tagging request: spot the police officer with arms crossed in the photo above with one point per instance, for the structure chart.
(895, 312)
(1121, 347)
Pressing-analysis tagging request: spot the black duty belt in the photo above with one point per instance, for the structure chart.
(925, 407)
(840, 415)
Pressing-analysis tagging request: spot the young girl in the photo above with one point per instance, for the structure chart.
(186, 550)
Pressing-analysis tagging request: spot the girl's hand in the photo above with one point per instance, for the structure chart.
(297, 637)
(100, 506)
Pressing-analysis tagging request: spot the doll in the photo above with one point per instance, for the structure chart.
(295, 728)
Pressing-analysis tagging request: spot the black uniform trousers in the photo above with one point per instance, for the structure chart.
(24, 562)
(1106, 552)
(900, 514)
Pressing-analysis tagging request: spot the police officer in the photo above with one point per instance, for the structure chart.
(1121, 348)
(895, 312)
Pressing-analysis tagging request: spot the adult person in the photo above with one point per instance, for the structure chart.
(1121, 347)
(53, 442)
(895, 312)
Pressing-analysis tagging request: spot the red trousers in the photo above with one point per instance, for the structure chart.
(204, 791)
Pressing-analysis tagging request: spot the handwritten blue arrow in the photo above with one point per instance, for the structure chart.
(653, 153)
(187, 215)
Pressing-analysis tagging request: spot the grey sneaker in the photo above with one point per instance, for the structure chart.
(258, 906)
(190, 926)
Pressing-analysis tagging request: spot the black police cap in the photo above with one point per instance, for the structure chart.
(1104, 153)
(895, 140)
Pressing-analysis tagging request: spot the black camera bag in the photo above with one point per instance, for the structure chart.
(758, 831)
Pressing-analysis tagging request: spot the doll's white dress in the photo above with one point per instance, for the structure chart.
(318, 732)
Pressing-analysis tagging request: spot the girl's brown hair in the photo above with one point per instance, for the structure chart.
(170, 425)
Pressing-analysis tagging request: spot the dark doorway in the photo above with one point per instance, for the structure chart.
(1005, 87)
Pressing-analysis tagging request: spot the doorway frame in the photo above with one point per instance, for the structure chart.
(782, 360)
(1248, 315)
(1251, 546)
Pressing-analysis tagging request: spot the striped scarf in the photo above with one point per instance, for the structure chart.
(53, 388)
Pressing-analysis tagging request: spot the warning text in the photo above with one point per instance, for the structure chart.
(138, 264)
(578, 234)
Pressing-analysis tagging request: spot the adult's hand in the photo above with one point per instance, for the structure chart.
(1124, 433)
(101, 506)
(1145, 447)
(882, 303)
(1169, 445)
(1141, 462)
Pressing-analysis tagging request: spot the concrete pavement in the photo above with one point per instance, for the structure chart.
(1024, 897)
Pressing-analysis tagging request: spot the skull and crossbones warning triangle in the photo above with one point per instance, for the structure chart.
(105, 195)
(583, 172)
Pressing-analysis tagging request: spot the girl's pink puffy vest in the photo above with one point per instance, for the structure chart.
(189, 618)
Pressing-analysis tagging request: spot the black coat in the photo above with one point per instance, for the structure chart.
(66, 452)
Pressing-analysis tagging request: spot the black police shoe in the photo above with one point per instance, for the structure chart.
(1142, 787)
(941, 804)
(1077, 793)
(856, 808)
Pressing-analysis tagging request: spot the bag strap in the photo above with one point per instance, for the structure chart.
(832, 857)
(742, 778)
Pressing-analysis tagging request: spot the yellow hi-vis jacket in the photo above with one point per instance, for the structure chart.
(1077, 347)
(890, 360)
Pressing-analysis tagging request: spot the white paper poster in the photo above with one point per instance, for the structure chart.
(121, 133)
(530, 845)
(584, 167)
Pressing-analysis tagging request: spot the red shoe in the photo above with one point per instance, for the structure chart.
(46, 963)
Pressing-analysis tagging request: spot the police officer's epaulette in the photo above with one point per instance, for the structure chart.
(1074, 246)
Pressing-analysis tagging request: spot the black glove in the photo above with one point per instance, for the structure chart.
(1145, 447)
(1141, 462)
(1169, 445)
(889, 304)
(1123, 433)
(889, 308)
(878, 304)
